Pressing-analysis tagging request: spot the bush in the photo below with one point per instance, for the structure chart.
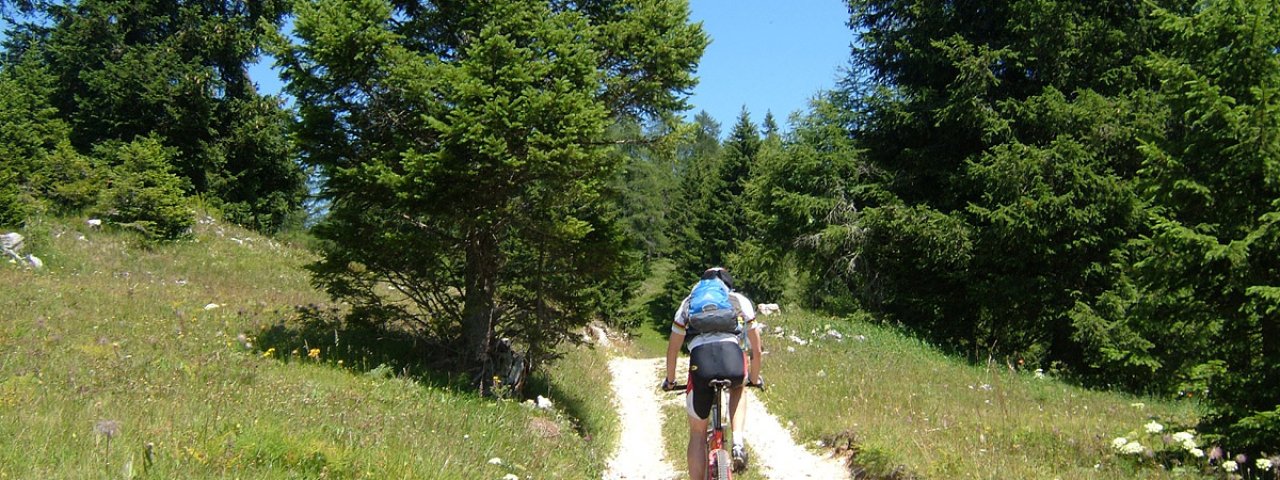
(12, 209)
(70, 181)
(144, 194)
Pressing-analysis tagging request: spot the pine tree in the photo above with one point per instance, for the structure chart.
(178, 70)
(466, 162)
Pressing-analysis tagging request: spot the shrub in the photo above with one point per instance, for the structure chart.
(12, 209)
(144, 194)
(68, 180)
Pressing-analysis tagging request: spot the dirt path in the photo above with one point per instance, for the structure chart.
(640, 455)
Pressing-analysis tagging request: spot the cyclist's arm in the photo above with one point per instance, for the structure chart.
(673, 351)
(677, 339)
(757, 354)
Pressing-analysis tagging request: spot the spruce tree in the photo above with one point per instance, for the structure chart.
(465, 154)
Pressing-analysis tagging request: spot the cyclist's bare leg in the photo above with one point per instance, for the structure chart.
(697, 448)
(737, 411)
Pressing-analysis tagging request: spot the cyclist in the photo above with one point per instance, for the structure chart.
(718, 354)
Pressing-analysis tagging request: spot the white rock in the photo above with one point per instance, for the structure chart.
(544, 402)
(94, 223)
(11, 244)
(769, 308)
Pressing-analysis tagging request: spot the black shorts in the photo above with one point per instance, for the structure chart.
(713, 361)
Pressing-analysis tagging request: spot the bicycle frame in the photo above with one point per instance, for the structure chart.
(719, 429)
(719, 432)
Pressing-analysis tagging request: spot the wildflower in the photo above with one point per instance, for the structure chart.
(510, 476)
(495, 461)
(107, 428)
(269, 353)
(1264, 464)
(314, 353)
(1138, 405)
(1230, 466)
(1132, 448)
(1154, 427)
(1039, 373)
(1119, 443)
(1196, 452)
(1215, 453)
(1186, 439)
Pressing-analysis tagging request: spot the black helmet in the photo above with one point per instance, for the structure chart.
(721, 273)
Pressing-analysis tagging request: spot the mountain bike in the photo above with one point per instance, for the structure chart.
(719, 428)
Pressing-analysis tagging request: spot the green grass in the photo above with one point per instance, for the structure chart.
(112, 367)
(903, 405)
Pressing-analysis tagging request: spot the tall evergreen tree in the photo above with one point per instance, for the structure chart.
(1012, 122)
(465, 154)
(128, 69)
(1209, 272)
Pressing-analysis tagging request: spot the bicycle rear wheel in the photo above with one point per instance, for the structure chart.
(721, 465)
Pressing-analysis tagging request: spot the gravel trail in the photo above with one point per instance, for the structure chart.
(640, 453)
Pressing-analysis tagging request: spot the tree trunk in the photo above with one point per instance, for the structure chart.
(479, 310)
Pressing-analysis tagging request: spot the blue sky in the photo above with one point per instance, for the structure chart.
(765, 55)
(768, 55)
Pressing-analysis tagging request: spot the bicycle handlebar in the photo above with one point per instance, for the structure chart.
(681, 387)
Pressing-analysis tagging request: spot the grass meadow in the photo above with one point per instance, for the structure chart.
(199, 360)
(217, 358)
(904, 410)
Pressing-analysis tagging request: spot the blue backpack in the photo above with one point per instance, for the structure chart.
(710, 309)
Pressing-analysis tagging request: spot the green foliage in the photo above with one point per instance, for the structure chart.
(1079, 185)
(465, 158)
(13, 211)
(177, 70)
(144, 194)
(1211, 257)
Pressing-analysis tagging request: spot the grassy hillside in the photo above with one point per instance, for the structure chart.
(215, 358)
(903, 410)
(907, 411)
(193, 360)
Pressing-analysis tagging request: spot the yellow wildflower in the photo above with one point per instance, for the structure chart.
(270, 352)
(314, 353)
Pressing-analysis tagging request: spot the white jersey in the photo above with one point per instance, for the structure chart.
(678, 325)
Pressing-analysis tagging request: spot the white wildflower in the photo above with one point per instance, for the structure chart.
(1138, 405)
(1230, 466)
(1119, 443)
(1187, 439)
(1131, 448)
(1196, 452)
(1039, 373)
(1154, 427)
(1264, 464)
(495, 461)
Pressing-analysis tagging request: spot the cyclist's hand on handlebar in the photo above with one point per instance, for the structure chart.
(667, 384)
(759, 383)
